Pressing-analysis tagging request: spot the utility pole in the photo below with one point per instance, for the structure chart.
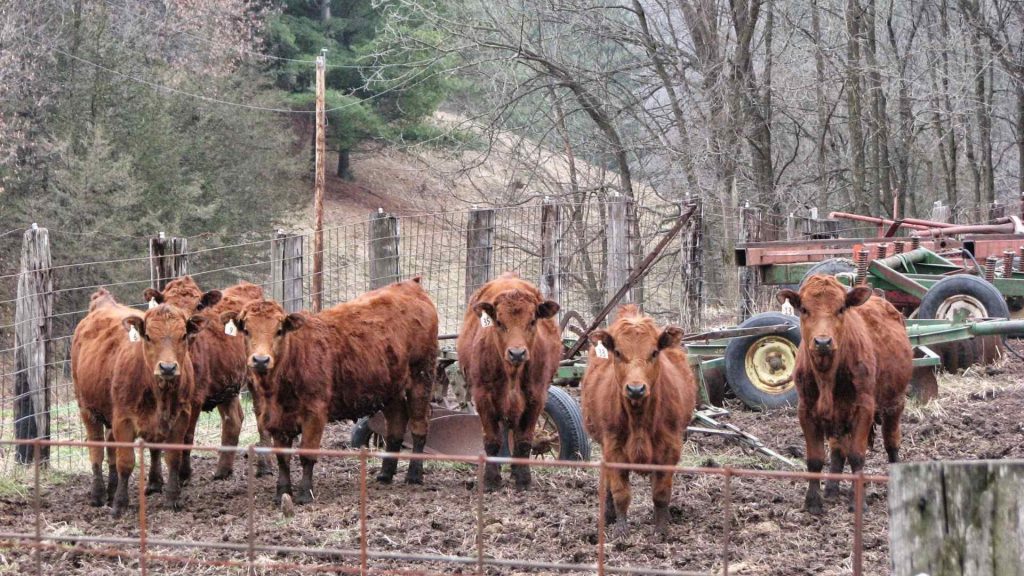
(318, 188)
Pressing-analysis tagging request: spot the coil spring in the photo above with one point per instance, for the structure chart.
(862, 265)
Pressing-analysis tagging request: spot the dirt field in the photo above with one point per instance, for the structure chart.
(976, 416)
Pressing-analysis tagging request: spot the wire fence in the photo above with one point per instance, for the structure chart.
(565, 248)
(53, 550)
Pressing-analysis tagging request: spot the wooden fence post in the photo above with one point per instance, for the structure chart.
(286, 266)
(33, 348)
(551, 262)
(957, 518)
(692, 249)
(383, 249)
(750, 231)
(479, 249)
(617, 259)
(168, 259)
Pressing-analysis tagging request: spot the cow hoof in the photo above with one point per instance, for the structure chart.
(417, 479)
(154, 487)
(303, 496)
(174, 505)
(117, 510)
(813, 508)
(222, 474)
(97, 496)
(661, 532)
(262, 469)
(831, 491)
(522, 486)
(385, 478)
(620, 530)
(280, 492)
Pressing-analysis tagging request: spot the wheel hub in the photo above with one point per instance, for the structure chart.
(770, 362)
(961, 306)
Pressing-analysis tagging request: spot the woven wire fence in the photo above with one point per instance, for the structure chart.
(567, 250)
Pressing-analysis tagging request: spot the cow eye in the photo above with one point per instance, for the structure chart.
(654, 354)
(803, 311)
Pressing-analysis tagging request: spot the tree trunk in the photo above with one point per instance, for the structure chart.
(881, 185)
(853, 102)
(345, 165)
(325, 10)
(823, 114)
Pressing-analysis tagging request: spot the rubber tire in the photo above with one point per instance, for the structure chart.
(735, 363)
(980, 289)
(831, 267)
(957, 356)
(574, 444)
(560, 407)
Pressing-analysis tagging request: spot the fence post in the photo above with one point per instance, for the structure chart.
(692, 249)
(750, 231)
(956, 518)
(168, 259)
(383, 249)
(33, 348)
(551, 231)
(286, 266)
(617, 259)
(940, 213)
(479, 249)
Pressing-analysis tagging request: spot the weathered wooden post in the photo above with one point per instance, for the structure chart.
(383, 249)
(168, 259)
(692, 241)
(617, 261)
(940, 213)
(957, 518)
(286, 269)
(479, 249)
(750, 231)
(33, 348)
(551, 262)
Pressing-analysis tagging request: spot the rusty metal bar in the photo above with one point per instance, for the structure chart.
(250, 494)
(858, 524)
(1005, 225)
(912, 223)
(480, 515)
(143, 569)
(726, 521)
(37, 507)
(362, 512)
(602, 505)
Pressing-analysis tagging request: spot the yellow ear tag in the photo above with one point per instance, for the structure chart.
(485, 320)
(152, 303)
(230, 329)
(133, 334)
(600, 351)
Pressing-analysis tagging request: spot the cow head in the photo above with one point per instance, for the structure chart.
(514, 314)
(634, 346)
(165, 332)
(822, 303)
(185, 294)
(265, 325)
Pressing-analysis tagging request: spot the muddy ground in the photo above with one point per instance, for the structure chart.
(977, 416)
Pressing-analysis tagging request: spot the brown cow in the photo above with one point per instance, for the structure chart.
(638, 395)
(853, 367)
(376, 351)
(134, 376)
(219, 362)
(508, 350)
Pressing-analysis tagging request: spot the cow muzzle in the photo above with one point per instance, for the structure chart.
(823, 344)
(636, 391)
(516, 356)
(260, 363)
(167, 370)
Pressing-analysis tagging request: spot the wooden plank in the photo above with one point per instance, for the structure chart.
(168, 259)
(750, 231)
(319, 180)
(692, 249)
(287, 257)
(384, 246)
(552, 229)
(957, 518)
(617, 256)
(33, 348)
(479, 249)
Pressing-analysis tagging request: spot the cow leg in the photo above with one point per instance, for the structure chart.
(155, 483)
(838, 462)
(815, 441)
(522, 436)
(112, 469)
(419, 417)
(661, 488)
(891, 434)
(312, 433)
(262, 460)
(284, 472)
(230, 428)
(396, 416)
(172, 497)
(185, 472)
(492, 446)
(609, 507)
(863, 420)
(123, 432)
(618, 482)
(94, 433)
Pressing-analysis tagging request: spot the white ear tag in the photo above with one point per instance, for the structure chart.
(133, 334)
(787, 308)
(152, 303)
(230, 329)
(600, 351)
(485, 320)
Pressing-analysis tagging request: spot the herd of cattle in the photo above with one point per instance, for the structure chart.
(150, 374)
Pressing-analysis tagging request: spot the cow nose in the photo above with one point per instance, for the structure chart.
(636, 391)
(823, 342)
(517, 355)
(260, 362)
(168, 368)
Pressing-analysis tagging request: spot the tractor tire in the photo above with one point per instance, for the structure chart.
(830, 267)
(759, 385)
(362, 436)
(564, 413)
(980, 299)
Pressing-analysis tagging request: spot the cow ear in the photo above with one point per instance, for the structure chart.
(485, 307)
(194, 325)
(602, 337)
(792, 296)
(671, 337)
(858, 296)
(547, 309)
(292, 321)
(209, 299)
(232, 316)
(134, 322)
(152, 294)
